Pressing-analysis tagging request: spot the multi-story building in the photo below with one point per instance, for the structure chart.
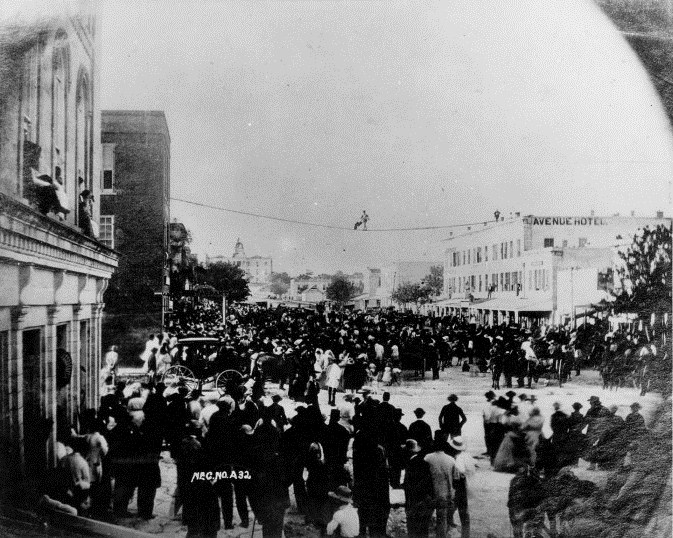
(257, 269)
(382, 282)
(534, 266)
(53, 270)
(135, 218)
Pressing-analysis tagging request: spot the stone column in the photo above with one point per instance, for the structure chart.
(95, 356)
(49, 377)
(14, 389)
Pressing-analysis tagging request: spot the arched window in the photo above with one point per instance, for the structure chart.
(82, 131)
(59, 123)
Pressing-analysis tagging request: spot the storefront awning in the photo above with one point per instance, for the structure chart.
(515, 305)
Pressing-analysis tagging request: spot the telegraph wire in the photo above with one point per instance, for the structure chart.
(328, 226)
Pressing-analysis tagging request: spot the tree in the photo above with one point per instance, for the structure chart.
(280, 283)
(646, 274)
(228, 279)
(340, 290)
(411, 293)
(435, 280)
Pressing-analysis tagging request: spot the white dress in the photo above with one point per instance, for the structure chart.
(333, 376)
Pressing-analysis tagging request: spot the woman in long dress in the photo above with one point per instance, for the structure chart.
(532, 430)
(509, 455)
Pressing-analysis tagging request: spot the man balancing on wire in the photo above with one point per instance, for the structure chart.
(364, 218)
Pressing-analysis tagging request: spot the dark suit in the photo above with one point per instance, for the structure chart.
(451, 419)
(418, 496)
(421, 432)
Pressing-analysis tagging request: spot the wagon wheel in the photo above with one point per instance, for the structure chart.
(182, 374)
(226, 379)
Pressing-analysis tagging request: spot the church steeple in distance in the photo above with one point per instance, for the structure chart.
(239, 252)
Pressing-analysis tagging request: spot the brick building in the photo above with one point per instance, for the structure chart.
(135, 220)
(53, 271)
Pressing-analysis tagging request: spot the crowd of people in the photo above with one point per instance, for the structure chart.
(336, 457)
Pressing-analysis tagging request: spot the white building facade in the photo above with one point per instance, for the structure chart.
(53, 269)
(257, 269)
(534, 267)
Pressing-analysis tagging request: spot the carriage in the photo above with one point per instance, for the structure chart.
(201, 361)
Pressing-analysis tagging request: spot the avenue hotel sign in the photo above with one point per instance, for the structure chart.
(566, 221)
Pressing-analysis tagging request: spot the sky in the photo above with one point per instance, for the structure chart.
(424, 114)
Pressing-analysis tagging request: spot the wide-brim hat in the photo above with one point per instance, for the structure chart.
(636, 405)
(452, 398)
(594, 399)
(510, 394)
(456, 442)
(419, 411)
(342, 494)
(412, 446)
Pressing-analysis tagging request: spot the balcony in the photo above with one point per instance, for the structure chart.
(27, 236)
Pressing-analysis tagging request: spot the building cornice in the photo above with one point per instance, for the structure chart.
(28, 237)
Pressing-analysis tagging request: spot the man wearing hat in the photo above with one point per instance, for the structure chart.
(465, 467)
(420, 431)
(490, 418)
(277, 412)
(443, 472)
(634, 424)
(596, 419)
(345, 519)
(452, 418)
(418, 491)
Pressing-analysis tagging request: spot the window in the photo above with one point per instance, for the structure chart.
(468, 256)
(107, 230)
(495, 252)
(511, 249)
(480, 281)
(30, 90)
(502, 281)
(59, 116)
(485, 282)
(479, 256)
(565, 243)
(486, 253)
(464, 257)
(518, 247)
(108, 168)
(507, 282)
(473, 282)
(530, 280)
(548, 242)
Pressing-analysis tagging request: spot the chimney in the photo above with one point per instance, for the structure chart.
(660, 214)
(593, 213)
(633, 213)
(517, 214)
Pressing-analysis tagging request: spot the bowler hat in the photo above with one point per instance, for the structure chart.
(419, 412)
(452, 398)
